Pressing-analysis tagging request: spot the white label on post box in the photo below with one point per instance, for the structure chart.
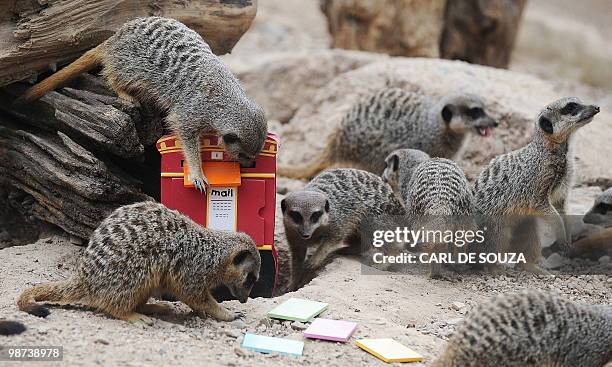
(222, 206)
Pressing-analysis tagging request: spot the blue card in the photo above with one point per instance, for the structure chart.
(268, 344)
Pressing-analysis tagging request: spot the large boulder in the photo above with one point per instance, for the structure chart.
(282, 82)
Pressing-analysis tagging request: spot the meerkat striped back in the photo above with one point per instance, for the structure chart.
(438, 187)
(356, 193)
(165, 53)
(531, 328)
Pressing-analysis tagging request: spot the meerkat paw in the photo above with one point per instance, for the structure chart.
(534, 269)
(494, 269)
(200, 183)
(138, 319)
(222, 314)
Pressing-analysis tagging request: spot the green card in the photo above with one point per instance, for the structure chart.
(297, 309)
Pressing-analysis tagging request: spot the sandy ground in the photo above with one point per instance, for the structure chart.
(417, 311)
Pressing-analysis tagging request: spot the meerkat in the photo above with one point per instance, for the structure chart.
(327, 215)
(531, 182)
(11, 328)
(144, 249)
(163, 61)
(531, 328)
(391, 119)
(436, 195)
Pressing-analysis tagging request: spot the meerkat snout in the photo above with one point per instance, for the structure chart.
(242, 274)
(305, 212)
(466, 112)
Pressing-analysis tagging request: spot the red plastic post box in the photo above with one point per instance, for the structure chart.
(239, 198)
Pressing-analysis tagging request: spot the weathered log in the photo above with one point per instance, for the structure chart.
(100, 122)
(37, 35)
(398, 28)
(481, 32)
(75, 155)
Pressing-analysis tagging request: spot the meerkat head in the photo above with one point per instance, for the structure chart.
(304, 212)
(557, 121)
(246, 136)
(242, 269)
(400, 164)
(466, 113)
(601, 212)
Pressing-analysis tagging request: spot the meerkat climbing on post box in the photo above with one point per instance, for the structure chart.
(163, 61)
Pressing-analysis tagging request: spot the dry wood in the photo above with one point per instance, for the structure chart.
(394, 27)
(481, 32)
(37, 35)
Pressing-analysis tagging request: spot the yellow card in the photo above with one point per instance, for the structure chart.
(389, 350)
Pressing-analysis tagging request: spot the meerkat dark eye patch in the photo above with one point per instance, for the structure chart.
(314, 217)
(546, 125)
(394, 163)
(447, 113)
(230, 138)
(296, 216)
(570, 108)
(475, 112)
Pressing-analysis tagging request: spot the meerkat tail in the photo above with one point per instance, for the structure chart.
(305, 171)
(11, 328)
(86, 62)
(64, 291)
(309, 170)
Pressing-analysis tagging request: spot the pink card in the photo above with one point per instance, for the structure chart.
(326, 329)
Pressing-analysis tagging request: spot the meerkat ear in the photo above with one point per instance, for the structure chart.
(243, 258)
(327, 206)
(230, 138)
(283, 206)
(546, 125)
(447, 113)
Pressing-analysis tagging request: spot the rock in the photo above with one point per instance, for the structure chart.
(554, 261)
(455, 321)
(239, 324)
(240, 352)
(458, 306)
(604, 259)
(296, 325)
(282, 82)
(233, 333)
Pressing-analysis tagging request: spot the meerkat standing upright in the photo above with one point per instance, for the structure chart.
(327, 214)
(162, 60)
(391, 119)
(437, 197)
(533, 181)
(531, 329)
(144, 249)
